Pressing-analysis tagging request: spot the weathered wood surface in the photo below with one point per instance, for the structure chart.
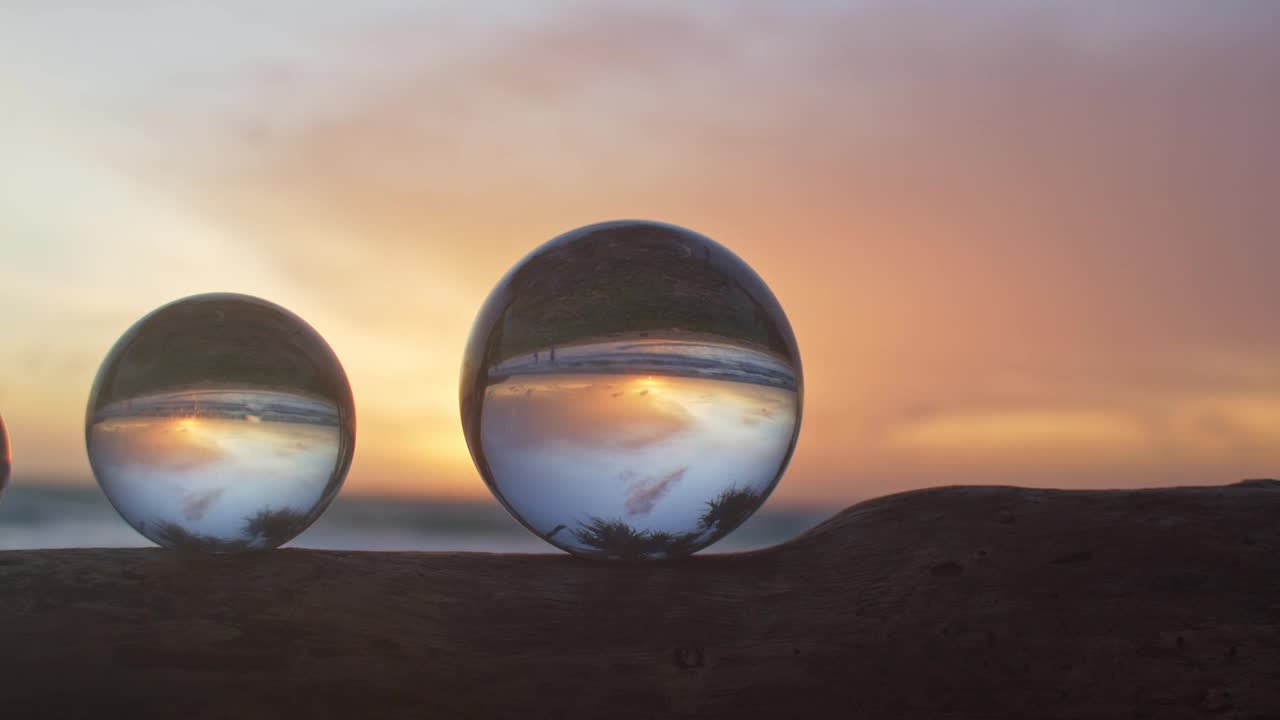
(977, 602)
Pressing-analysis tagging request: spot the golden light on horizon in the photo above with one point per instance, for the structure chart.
(648, 382)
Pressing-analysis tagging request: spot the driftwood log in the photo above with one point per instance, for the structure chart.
(965, 602)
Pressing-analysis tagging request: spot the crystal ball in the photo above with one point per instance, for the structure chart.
(220, 423)
(6, 460)
(631, 390)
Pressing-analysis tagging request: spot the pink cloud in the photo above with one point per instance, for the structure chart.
(643, 494)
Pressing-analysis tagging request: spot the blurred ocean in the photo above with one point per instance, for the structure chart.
(44, 515)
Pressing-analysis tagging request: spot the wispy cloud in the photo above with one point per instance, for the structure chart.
(644, 493)
(194, 507)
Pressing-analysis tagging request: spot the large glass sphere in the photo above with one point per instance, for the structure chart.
(631, 390)
(6, 461)
(220, 423)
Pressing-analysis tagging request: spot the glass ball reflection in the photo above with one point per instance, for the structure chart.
(6, 460)
(220, 423)
(631, 390)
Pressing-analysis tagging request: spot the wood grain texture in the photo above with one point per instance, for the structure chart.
(965, 602)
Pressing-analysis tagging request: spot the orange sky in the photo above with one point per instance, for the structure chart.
(1018, 244)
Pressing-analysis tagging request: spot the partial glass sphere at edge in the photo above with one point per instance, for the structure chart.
(220, 423)
(6, 460)
(631, 390)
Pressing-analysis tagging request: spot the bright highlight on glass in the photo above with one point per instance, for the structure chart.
(631, 390)
(220, 423)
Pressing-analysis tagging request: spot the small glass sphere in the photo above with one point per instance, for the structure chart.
(220, 423)
(631, 390)
(6, 460)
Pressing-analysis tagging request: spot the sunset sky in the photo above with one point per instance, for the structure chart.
(1019, 242)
